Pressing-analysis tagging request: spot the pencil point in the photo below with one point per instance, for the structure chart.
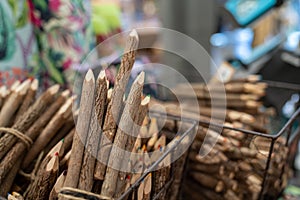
(22, 89)
(102, 74)
(132, 41)
(65, 93)
(141, 77)
(54, 89)
(89, 76)
(145, 101)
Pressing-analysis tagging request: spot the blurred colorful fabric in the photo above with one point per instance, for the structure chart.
(64, 37)
(17, 40)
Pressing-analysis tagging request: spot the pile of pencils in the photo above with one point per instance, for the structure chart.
(227, 164)
(47, 146)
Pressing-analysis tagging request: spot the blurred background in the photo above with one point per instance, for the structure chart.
(50, 38)
(53, 40)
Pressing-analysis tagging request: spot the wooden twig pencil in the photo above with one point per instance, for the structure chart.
(68, 140)
(207, 181)
(162, 174)
(19, 148)
(7, 182)
(28, 100)
(3, 94)
(31, 115)
(14, 85)
(58, 186)
(153, 133)
(46, 181)
(82, 128)
(113, 112)
(49, 131)
(13, 102)
(58, 151)
(14, 154)
(59, 148)
(101, 96)
(249, 78)
(124, 129)
(86, 179)
(65, 161)
(207, 95)
(144, 190)
(100, 106)
(138, 120)
(61, 134)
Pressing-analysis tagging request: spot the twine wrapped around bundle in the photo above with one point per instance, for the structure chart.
(24, 138)
(77, 194)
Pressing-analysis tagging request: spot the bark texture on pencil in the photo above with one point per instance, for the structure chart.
(100, 105)
(86, 179)
(32, 114)
(58, 186)
(28, 100)
(7, 182)
(19, 148)
(115, 105)
(124, 128)
(45, 180)
(3, 93)
(63, 132)
(144, 190)
(12, 103)
(49, 132)
(138, 120)
(82, 128)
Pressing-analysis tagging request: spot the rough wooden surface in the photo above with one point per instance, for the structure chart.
(161, 175)
(45, 180)
(100, 106)
(58, 186)
(114, 111)
(124, 128)
(138, 120)
(3, 93)
(7, 182)
(49, 132)
(7, 141)
(86, 179)
(62, 133)
(13, 102)
(82, 128)
(68, 140)
(28, 100)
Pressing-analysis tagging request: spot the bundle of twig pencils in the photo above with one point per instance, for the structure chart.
(31, 125)
(43, 153)
(242, 94)
(233, 167)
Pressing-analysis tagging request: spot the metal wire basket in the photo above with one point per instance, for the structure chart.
(175, 136)
(274, 150)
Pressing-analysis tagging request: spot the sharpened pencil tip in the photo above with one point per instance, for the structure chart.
(54, 89)
(141, 77)
(34, 84)
(89, 75)
(65, 93)
(145, 101)
(132, 41)
(102, 74)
